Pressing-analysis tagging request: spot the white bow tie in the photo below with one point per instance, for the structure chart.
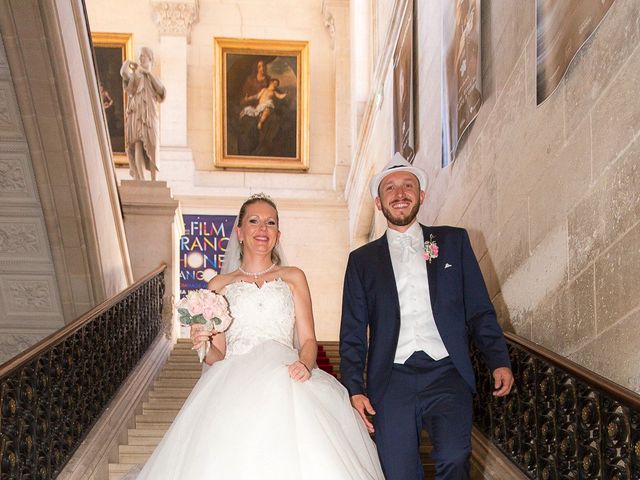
(405, 242)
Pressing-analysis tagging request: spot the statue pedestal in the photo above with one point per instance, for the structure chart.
(153, 225)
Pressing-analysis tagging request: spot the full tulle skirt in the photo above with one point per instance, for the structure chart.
(247, 419)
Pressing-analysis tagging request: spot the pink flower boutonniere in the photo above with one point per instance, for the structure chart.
(430, 249)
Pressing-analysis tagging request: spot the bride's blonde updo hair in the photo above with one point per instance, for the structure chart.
(255, 198)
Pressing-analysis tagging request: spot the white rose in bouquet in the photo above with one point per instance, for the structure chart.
(206, 308)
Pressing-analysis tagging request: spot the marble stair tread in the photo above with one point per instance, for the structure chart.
(180, 374)
(136, 449)
(152, 441)
(163, 403)
(170, 393)
(175, 382)
(191, 358)
(157, 416)
(150, 424)
(162, 412)
(119, 470)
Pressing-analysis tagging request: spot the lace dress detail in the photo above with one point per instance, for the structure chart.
(259, 314)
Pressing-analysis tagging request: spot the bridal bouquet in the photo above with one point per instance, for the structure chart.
(206, 308)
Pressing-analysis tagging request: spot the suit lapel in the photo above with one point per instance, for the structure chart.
(386, 272)
(431, 268)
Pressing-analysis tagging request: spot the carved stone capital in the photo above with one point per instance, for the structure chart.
(175, 17)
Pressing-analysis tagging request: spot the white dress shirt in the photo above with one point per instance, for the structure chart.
(418, 330)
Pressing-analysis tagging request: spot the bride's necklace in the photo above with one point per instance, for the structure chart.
(257, 274)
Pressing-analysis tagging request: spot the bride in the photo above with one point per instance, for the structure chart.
(263, 410)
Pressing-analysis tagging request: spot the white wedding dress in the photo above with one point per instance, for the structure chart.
(247, 419)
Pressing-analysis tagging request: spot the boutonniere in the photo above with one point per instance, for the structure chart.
(430, 249)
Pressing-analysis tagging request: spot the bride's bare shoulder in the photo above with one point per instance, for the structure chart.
(219, 282)
(293, 276)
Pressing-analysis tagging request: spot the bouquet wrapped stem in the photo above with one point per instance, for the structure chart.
(206, 308)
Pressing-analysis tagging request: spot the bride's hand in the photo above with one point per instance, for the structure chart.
(200, 336)
(299, 372)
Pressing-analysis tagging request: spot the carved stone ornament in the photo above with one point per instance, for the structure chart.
(19, 239)
(329, 23)
(12, 176)
(10, 122)
(175, 18)
(30, 295)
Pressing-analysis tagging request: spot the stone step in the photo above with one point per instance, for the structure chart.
(182, 349)
(135, 458)
(192, 358)
(158, 417)
(119, 470)
(149, 423)
(140, 432)
(174, 383)
(125, 450)
(153, 441)
(170, 393)
(163, 404)
(165, 374)
(182, 366)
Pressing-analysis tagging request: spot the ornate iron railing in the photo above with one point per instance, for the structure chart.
(562, 421)
(51, 394)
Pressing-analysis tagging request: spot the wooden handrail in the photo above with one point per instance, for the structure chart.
(58, 336)
(599, 382)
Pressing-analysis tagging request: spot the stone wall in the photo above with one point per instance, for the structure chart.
(550, 194)
(29, 296)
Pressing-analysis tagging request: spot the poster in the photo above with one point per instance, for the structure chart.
(562, 27)
(202, 249)
(403, 129)
(461, 72)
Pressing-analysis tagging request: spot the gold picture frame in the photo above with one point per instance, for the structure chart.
(261, 104)
(111, 50)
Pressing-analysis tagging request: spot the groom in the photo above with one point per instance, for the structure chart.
(411, 301)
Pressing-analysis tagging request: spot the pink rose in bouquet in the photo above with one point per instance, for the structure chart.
(206, 308)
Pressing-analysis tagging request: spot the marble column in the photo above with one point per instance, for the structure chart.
(174, 20)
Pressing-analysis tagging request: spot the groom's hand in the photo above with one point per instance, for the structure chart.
(362, 404)
(503, 381)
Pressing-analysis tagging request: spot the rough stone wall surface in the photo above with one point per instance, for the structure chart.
(550, 194)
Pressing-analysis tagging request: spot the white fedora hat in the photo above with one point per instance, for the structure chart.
(397, 164)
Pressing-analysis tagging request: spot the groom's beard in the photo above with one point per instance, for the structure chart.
(401, 220)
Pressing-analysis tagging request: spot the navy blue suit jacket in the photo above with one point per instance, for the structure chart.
(370, 308)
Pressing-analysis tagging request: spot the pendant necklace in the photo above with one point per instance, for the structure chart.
(257, 274)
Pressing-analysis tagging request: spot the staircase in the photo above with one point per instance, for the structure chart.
(169, 392)
(171, 389)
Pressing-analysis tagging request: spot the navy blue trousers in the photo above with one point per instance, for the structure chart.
(429, 394)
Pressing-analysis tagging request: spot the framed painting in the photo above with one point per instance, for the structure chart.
(261, 104)
(111, 49)
(403, 93)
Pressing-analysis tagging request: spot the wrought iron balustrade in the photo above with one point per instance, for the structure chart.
(562, 421)
(51, 394)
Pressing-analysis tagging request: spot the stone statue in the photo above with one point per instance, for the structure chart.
(144, 92)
